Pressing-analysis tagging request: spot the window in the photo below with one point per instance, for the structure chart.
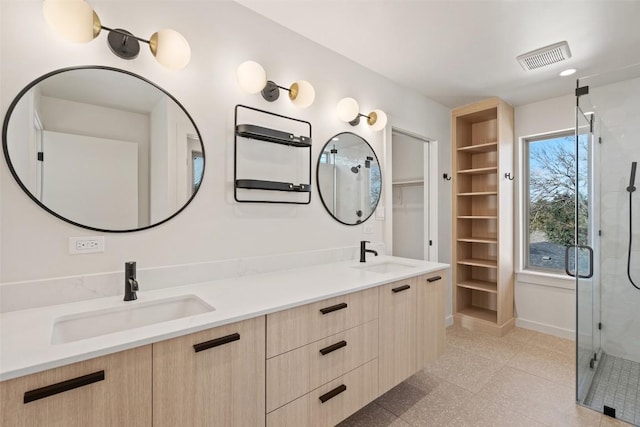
(550, 198)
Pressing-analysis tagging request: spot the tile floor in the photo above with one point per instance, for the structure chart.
(522, 379)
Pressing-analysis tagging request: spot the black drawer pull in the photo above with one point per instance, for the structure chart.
(50, 390)
(333, 347)
(433, 279)
(336, 307)
(216, 342)
(333, 393)
(400, 288)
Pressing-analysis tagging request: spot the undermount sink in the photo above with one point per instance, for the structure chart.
(132, 315)
(385, 267)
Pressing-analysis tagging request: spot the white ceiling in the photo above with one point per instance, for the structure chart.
(458, 52)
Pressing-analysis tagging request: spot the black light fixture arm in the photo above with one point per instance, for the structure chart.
(356, 121)
(124, 33)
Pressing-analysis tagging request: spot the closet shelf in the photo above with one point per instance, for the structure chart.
(479, 171)
(479, 313)
(479, 148)
(257, 184)
(408, 182)
(480, 285)
(272, 135)
(476, 262)
(477, 240)
(479, 193)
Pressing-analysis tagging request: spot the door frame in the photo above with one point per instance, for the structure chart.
(431, 185)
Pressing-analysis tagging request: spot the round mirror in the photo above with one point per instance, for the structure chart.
(349, 178)
(103, 149)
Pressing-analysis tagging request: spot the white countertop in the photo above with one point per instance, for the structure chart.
(25, 336)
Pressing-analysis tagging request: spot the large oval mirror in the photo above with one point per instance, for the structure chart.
(349, 178)
(103, 149)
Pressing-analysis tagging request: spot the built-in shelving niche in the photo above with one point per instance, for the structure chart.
(272, 157)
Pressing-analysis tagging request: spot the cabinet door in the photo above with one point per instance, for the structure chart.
(113, 390)
(397, 356)
(431, 312)
(211, 378)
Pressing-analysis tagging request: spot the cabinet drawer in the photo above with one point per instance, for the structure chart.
(292, 374)
(302, 325)
(106, 391)
(329, 404)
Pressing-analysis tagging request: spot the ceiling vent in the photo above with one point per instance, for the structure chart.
(545, 56)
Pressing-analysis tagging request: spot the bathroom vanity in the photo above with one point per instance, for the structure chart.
(303, 347)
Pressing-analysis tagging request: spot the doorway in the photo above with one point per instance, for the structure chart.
(413, 190)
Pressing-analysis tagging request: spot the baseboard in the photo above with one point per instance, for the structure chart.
(546, 329)
(448, 321)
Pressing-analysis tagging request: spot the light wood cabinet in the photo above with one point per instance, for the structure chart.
(482, 274)
(397, 332)
(211, 378)
(113, 390)
(430, 339)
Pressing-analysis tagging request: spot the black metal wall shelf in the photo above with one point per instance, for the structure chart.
(257, 184)
(252, 161)
(272, 135)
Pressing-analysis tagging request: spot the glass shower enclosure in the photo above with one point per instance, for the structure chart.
(605, 260)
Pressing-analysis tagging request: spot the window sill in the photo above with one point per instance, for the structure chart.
(546, 279)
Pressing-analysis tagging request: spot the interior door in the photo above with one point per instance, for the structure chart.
(91, 180)
(410, 196)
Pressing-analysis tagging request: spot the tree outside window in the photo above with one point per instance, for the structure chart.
(555, 170)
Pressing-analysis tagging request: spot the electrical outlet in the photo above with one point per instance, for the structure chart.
(380, 213)
(367, 228)
(86, 245)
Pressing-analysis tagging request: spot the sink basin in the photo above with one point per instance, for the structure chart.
(385, 267)
(132, 315)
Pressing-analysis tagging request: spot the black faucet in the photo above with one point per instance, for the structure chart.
(130, 282)
(364, 250)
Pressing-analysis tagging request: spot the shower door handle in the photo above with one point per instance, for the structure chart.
(566, 262)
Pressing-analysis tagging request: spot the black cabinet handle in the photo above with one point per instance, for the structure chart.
(400, 288)
(53, 389)
(216, 342)
(333, 393)
(333, 308)
(333, 347)
(433, 279)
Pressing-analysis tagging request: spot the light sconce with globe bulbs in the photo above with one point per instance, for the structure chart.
(253, 79)
(349, 111)
(76, 21)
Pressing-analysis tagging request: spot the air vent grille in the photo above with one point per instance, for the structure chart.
(545, 56)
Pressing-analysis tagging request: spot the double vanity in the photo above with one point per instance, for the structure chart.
(301, 347)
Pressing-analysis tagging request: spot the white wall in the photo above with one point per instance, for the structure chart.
(543, 302)
(547, 303)
(222, 35)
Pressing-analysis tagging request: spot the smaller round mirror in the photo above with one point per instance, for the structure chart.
(349, 178)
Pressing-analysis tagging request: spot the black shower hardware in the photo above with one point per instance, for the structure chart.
(356, 169)
(367, 162)
(631, 188)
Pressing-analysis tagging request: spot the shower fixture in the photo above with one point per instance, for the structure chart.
(631, 188)
(356, 169)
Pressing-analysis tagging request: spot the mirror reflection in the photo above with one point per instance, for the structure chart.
(349, 178)
(103, 148)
